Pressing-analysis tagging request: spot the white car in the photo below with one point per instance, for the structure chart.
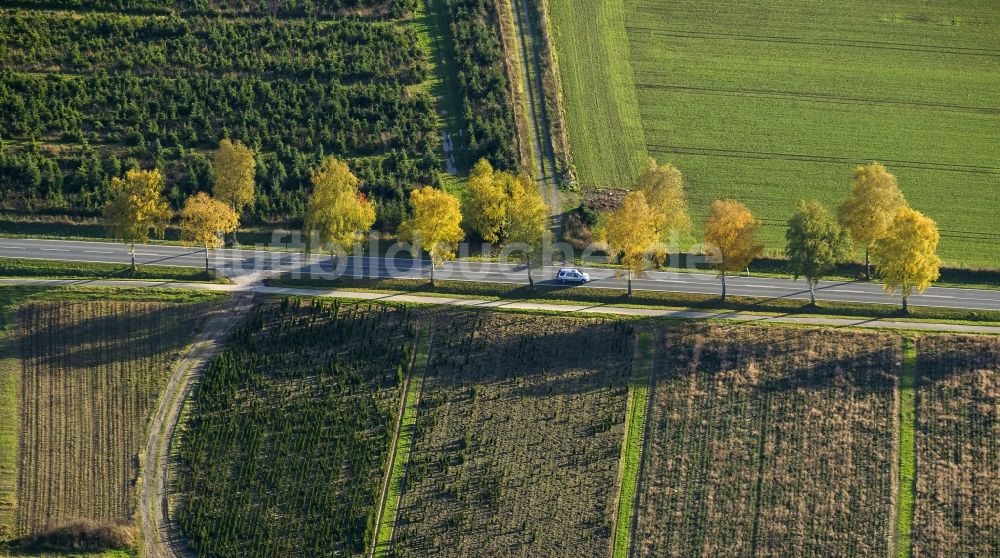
(572, 275)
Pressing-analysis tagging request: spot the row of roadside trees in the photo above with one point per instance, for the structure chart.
(900, 241)
(137, 207)
(506, 208)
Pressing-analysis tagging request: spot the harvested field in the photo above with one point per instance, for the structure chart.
(91, 375)
(769, 442)
(958, 447)
(518, 438)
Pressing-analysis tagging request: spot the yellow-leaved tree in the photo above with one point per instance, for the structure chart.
(435, 226)
(663, 186)
(490, 194)
(235, 169)
(631, 233)
(205, 219)
(869, 210)
(338, 215)
(486, 205)
(906, 257)
(730, 235)
(136, 207)
(526, 218)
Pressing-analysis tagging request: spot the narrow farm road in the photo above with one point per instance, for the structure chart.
(159, 539)
(544, 164)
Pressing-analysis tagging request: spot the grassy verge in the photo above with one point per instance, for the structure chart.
(635, 426)
(644, 299)
(432, 26)
(54, 269)
(907, 456)
(9, 372)
(401, 451)
(13, 295)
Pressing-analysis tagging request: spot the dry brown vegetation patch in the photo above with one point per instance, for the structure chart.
(769, 442)
(957, 502)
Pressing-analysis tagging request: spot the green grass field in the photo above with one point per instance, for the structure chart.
(779, 100)
(602, 112)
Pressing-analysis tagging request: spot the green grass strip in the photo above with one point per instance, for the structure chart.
(9, 370)
(635, 409)
(401, 452)
(907, 457)
(57, 269)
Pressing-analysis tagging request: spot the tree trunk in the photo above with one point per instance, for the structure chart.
(812, 294)
(132, 251)
(206, 257)
(630, 282)
(868, 265)
(906, 307)
(432, 274)
(333, 262)
(527, 263)
(723, 286)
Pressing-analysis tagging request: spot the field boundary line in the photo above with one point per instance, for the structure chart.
(633, 444)
(816, 98)
(158, 536)
(907, 47)
(903, 524)
(402, 444)
(796, 157)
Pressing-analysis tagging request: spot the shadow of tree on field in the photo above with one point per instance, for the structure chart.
(499, 347)
(115, 331)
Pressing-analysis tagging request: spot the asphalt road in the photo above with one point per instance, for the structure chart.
(252, 265)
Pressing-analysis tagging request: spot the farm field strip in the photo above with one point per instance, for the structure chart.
(602, 112)
(767, 442)
(907, 457)
(518, 437)
(957, 488)
(632, 448)
(402, 444)
(91, 375)
(287, 435)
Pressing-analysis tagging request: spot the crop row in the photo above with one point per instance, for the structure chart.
(517, 440)
(284, 8)
(769, 442)
(286, 444)
(154, 117)
(91, 375)
(87, 93)
(344, 49)
(485, 86)
(958, 427)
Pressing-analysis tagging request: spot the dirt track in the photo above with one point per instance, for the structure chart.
(159, 539)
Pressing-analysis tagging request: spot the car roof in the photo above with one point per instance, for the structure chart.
(567, 269)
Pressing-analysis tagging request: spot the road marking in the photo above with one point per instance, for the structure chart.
(53, 250)
(97, 252)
